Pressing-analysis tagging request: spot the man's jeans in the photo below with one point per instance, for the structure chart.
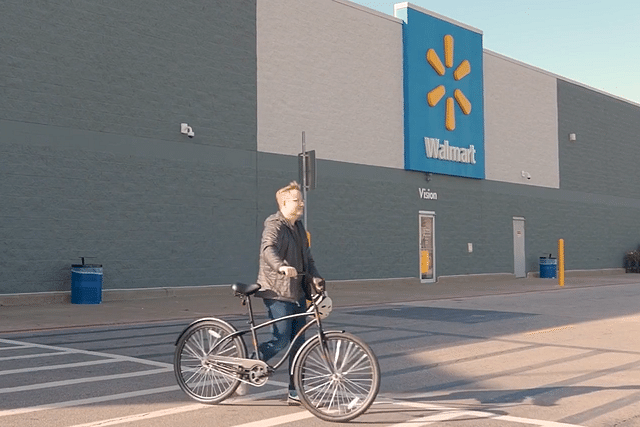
(284, 331)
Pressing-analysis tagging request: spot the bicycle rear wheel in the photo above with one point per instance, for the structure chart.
(337, 379)
(198, 375)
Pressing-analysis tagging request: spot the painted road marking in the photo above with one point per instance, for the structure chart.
(540, 423)
(88, 401)
(443, 413)
(183, 409)
(435, 418)
(15, 347)
(105, 359)
(283, 419)
(31, 356)
(546, 331)
(64, 366)
(91, 353)
(145, 416)
(82, 380)
(456, 413)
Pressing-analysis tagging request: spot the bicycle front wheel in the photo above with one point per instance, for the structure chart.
(337, 378)
(197, 372)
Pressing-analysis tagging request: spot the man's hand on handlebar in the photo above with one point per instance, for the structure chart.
(288, 271)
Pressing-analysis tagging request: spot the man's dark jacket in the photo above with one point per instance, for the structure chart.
(283, 244)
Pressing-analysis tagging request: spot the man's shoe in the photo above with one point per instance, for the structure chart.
(293, 399)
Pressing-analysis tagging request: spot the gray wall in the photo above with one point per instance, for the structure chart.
(91, 159)
(364, 221)
(132, 68)
(357, 216)
(92, 164)
(605, 157)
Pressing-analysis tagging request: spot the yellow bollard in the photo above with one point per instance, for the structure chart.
(561, 262)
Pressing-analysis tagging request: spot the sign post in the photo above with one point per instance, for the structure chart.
(304, 178)
(307, 173)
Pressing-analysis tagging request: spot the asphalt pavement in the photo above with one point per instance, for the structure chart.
(32, 312)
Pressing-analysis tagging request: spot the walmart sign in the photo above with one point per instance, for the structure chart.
(443, 95)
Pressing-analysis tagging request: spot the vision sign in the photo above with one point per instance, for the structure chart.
(443, 95)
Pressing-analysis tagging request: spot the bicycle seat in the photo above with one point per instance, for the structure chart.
(244, 289)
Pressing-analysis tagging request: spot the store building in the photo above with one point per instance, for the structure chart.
(426, 143)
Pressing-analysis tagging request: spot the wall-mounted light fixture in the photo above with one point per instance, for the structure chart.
(187, 130)
(572, 137)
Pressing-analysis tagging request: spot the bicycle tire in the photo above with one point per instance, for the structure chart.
(341, 387)
(202, 381)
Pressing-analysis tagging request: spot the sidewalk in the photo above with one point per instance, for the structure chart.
(124, 307)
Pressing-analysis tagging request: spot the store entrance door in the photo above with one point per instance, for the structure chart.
(518, 247)
(427, 247)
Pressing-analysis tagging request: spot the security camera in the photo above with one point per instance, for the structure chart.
(187, 130)
(528, 176)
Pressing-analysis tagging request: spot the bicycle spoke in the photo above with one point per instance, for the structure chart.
(198, 372)
(337, 377)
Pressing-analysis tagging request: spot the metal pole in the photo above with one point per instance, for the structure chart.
(304, 178)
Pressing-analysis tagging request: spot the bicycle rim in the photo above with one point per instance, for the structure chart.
(199, 377)
(338, 379)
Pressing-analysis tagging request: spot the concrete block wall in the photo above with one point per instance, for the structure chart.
(92, 164)
(364, 221)
(132, 68)
(357, 216)
(175, 216)
(604, 158)
(91, 159)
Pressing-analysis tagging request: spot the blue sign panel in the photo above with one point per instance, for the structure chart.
(443, 96)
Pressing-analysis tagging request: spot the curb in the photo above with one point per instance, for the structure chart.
(108, 295)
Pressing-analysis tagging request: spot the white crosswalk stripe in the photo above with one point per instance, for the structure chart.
(88, 401)
(53, 384)
(180, 410)
(441, 413)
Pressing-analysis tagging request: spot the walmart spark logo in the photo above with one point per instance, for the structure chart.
(435, 95)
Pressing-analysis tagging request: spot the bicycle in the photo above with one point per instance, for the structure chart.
(336, 374)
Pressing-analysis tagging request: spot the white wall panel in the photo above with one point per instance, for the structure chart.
(333, 69)
(521, 123)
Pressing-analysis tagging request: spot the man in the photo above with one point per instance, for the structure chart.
(284, 253)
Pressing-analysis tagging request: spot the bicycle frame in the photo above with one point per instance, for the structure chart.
(336, 374)
(254, 328)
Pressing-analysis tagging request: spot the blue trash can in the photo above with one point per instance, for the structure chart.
(86, 283)
(548, 268)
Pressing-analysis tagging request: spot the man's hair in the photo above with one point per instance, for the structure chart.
(280, 194)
